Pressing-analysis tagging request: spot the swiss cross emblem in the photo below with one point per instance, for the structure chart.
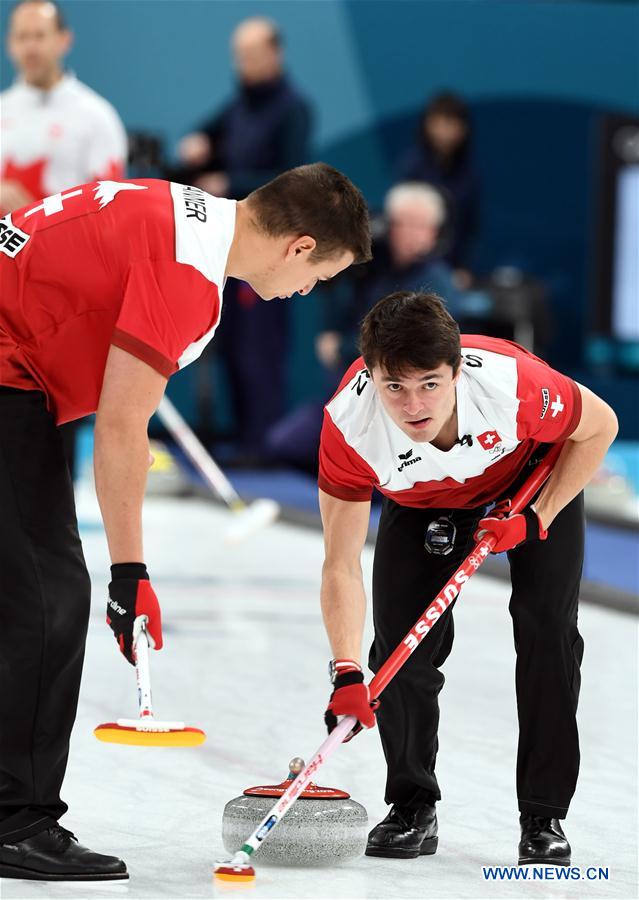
(557, 406)
(488, 439)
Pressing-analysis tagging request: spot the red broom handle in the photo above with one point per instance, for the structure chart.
(450, 591)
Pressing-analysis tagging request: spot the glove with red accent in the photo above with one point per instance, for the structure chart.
(130, 596)
(511, 529)
(350, 697)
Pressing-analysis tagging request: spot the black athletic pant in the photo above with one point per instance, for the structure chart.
(44, 611)
(545, 587)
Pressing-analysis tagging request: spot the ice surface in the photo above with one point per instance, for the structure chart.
(245, 659)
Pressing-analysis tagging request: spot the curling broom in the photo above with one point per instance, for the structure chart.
(248, 517)
(146, 730)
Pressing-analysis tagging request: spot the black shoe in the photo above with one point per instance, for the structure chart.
(55, 855)
(405, 833)
(542, 841)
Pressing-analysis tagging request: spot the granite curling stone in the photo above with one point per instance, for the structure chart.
(325, 826)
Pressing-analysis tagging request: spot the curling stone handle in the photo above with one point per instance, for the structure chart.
(142, 668)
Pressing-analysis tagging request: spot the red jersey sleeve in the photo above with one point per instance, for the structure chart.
(342, 473)
(167, 306)
(549, 402)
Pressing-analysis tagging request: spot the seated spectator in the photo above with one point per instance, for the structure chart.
(404, 259)
(442, 157)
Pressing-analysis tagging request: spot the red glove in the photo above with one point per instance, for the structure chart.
(130, 596)
(511, 529)
(350, 697)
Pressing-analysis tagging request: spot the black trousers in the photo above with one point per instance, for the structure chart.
(44, 612)
(545, 587)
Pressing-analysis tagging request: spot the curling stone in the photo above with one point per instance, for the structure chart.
(323, 827)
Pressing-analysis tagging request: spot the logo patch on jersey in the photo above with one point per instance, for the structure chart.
(489, 439)
(557, 406)
(12, 239)
(545, 400)
(362, 380)
(106, 191)
(407, 461)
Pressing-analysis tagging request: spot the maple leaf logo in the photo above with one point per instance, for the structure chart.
(107, 190)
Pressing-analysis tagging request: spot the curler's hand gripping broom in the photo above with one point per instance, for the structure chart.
(146, 730)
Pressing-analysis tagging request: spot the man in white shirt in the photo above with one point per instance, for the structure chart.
(56, 132)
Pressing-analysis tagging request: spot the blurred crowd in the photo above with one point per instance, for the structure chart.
(57, 132)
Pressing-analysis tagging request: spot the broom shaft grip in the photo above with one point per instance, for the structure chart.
(143, 674)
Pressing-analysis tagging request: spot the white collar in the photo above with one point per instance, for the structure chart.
(67, 81)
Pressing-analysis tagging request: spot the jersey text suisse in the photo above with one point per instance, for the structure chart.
(138, 264)
(508, 402)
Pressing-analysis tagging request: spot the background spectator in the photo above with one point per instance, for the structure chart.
(442, 156)
(263, 130)
(56, 131)
(405, 257)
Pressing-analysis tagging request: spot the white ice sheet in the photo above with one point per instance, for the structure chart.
(245, 659)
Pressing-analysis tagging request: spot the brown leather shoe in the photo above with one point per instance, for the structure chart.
(56, 855)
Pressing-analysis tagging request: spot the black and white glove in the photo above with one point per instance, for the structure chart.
(130, 596)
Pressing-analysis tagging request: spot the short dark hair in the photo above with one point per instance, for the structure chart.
(60, 18)
(410, 330)
(448, 104)
(319, 201)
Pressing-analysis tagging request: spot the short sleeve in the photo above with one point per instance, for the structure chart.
(167, 306)
(107, 152)
(342, 473)
(549, 402)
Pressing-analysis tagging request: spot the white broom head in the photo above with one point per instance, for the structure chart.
(250, 519)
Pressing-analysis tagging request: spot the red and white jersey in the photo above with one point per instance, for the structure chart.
(508, 402)
(139, 264)
(60, 137)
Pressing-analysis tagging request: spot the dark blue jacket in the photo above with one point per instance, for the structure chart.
(460, 186)
(260, 133)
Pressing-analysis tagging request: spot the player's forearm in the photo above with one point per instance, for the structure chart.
(344, 610)
(121, 461)
(577, 463)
